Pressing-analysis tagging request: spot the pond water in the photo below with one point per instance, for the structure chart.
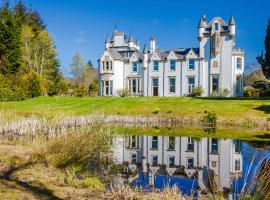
(194, 165)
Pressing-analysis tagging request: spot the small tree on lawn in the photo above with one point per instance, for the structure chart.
(264, 59)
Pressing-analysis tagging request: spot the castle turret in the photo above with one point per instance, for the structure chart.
(232, 26)
(131, 43)
(201, 27)
(137, 44)
(107, 42)
(152, 44)
(145, 56)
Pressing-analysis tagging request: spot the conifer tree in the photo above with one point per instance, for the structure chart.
(264, 59)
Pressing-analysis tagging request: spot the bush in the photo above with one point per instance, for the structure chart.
(263, 88)
(156, 111)
(33, 85)
(250, 92)
(123, 92)
(225, 92)
(197, 91)
(209, 119)
(80, 92)
(81, 147)
(10, 90)
(93, 88)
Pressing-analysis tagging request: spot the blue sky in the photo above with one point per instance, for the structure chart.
(82, 25)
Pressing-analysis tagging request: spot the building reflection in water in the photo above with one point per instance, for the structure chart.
(193, 164)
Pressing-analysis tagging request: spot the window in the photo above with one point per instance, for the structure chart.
(172, 65)
(238, 146)
(155, 86)
(191, 84)
(237, 165)
(134, 141)
(171, 161)
(214, 163)
(155, 142)
(190, 163)
(134, 86)
(155, 63)
(190, 145)
(172, 85)
(215, 64)
(191, 64)
(133, 159)
(128, 54)
(134, 67)
(238, 84)
(107, 88)
(171, 144)
(216, 26)
(214, 146)
(215, 83)
(155, 161)
(239, 63)
(107, 65)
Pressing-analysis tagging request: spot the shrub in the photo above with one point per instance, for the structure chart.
(123, 92)
(81, 147)
(263, 88)
(93, 88)
(10, 90)
(209, 119)
(197, 91)
(80, 92)
(250, 92)
(33, 85)
(225, 92)
(156, 111)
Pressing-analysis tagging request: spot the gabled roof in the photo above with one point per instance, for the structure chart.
(115, 54)
(223, 23)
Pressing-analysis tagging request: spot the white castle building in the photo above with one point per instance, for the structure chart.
(212, 162)
(215, 65)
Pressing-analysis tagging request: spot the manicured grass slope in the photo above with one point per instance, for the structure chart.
(182, 106)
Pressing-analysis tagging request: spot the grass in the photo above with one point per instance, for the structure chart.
(184, 106)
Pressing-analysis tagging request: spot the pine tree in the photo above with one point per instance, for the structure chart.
(264, 59)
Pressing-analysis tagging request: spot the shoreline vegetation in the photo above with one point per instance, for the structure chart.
(234, 117)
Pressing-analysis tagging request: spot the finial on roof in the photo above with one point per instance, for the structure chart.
(107, 40)
(115, 28)
(130, 38)
(232, 22)
(201, 23)
(145, 50)
(152, 38)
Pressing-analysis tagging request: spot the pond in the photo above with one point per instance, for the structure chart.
(194, 165)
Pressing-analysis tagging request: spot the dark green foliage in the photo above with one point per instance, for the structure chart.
(12, 64)
(10, 55)
(209, 119)
(93, 88)
(264, 59)
(263, 88)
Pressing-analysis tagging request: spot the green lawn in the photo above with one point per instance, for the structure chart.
(182, 106)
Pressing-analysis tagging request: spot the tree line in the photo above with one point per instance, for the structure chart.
(28, 59)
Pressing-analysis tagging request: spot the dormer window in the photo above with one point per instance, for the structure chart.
(216, 26)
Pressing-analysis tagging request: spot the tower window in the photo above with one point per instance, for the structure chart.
(216, 26)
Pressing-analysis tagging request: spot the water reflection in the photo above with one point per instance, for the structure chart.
(194, 165)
